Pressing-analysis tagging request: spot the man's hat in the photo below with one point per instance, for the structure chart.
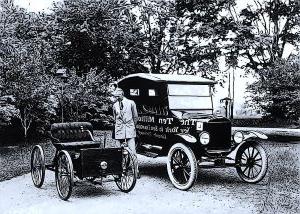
(118, 92)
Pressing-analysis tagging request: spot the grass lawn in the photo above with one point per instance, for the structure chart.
(282, 194)
(15, 160)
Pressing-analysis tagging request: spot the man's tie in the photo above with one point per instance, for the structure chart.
(121, 105)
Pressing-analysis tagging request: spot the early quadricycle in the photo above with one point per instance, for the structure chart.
(176, 120)
(79, 156)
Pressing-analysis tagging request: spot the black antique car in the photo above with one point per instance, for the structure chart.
(79, 157)
(176, 120)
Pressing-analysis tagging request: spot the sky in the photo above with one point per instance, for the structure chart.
(35, 5)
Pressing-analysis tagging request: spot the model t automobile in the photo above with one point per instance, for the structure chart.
(176, 120)
(79, 157)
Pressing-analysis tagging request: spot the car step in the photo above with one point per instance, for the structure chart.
(149, 154)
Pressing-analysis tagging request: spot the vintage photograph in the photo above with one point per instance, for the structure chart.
(150, 106)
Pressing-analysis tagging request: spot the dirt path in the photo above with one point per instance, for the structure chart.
(216, 191)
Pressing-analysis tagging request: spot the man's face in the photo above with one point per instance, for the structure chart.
(112, 87)
(119, 97)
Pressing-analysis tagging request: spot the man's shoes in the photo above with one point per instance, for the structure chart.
(138, 176)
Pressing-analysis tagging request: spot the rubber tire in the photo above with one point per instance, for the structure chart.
(134, 174)
(71, 176)
(264, 157)
(193, 162)
(38, 148)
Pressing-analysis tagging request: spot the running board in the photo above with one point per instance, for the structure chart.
(219, 151)
(214, 165)
(149, 154)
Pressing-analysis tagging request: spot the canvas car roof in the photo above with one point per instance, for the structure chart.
(171, 78)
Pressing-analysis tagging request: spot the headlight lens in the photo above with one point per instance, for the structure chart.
(238, 137)
(103, 165)
(204, 138)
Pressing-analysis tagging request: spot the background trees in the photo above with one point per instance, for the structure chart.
(100, 41)
(203, 32)
(265, 32)
(278, 93)
(97, 35)
(25, 60)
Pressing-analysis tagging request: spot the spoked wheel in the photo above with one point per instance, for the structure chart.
(182, 166)
(64, 175)
(127, 180)
(252, 162)
(37, 166)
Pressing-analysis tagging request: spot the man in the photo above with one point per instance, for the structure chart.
(126, 117)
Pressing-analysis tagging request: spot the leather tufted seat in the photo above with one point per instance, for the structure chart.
(73, 135)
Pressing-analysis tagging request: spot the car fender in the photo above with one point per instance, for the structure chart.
(254, 134)
(186, 137)
(249, 137)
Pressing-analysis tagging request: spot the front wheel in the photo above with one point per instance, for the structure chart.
(127, 180)
(251, 162)
(182, 166)
(64, 175)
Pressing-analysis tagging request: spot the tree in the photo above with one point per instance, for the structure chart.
(203, 31)
(94, 35)
(264, 32)
(25, 60)
(155, 24)
(278, 94)
(85, 98)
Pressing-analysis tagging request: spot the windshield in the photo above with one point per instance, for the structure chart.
(189, 97)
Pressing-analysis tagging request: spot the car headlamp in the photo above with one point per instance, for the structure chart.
(204, 138)
(238, 137)
(103, 165)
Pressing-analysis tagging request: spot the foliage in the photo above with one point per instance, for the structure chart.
(263, 31)
(277, 92)
(95, 35)
(264, 34)
(86, 99)
(100, 41)
(24, 64)
(203, 32)
(155, 24)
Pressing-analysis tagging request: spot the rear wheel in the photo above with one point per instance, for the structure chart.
(182, 166)
(252, 162)
(64, 175)
(37, 166)
(127, 180)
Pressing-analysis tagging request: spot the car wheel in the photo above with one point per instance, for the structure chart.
(37, 166)
(182, 166)
(127, 180)
(64, 175)
(251, 162)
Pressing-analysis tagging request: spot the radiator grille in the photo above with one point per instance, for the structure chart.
(220, 134)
